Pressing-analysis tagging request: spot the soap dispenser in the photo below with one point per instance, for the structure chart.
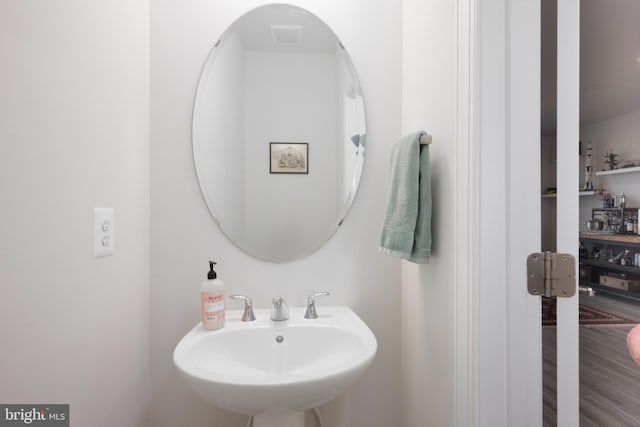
(212, 300)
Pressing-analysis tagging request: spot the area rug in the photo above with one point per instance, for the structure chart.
(588, 316)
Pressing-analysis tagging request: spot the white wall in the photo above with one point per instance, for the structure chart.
(428, 291)
(73, 136)
(275, 86)
(74, 116)
(621, 135)
(184, 236)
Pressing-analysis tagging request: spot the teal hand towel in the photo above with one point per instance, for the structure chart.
(406, 232)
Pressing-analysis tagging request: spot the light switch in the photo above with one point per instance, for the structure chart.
(103, 232)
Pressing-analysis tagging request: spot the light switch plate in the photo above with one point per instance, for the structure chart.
(103, 232)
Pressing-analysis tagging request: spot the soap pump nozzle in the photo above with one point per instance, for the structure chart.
(212, 274)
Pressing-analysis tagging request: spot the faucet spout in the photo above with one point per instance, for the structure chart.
(279, 309)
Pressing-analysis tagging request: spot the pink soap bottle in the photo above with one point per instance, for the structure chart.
(212, 300)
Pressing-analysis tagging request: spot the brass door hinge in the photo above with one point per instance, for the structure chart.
(551, 274)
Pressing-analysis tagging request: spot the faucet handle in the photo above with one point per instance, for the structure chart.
(311, 305)
(247, 315)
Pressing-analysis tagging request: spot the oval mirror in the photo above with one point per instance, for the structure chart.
(279, 133)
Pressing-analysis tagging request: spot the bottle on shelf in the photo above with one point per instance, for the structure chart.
(629, 227)
(583, 252)
(621, 200)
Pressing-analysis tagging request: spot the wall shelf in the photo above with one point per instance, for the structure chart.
(618, 171)
(581, 193)
(619, 239)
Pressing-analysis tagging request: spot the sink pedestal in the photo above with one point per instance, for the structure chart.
(285, 419)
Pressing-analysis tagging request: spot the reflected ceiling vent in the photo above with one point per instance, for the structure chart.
(286, 35)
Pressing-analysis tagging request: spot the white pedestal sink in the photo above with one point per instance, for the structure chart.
(272, 370)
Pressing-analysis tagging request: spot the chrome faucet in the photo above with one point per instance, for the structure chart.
(247, 315)
(311, 305)
(279, 309)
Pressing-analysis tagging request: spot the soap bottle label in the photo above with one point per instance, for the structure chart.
(212, 306)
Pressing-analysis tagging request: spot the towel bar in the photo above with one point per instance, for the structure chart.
(425, 139)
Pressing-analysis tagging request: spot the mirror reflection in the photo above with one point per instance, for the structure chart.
(279, 133)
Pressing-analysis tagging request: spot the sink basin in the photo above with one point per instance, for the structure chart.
(268, 367)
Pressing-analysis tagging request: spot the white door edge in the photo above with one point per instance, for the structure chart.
(466, 224)
(504, 361)
(524, 191)
(568, 134)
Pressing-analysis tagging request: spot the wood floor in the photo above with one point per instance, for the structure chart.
(609, 379)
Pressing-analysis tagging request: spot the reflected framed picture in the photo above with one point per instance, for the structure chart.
(289, 157)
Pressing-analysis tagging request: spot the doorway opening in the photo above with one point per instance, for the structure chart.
(609, 270)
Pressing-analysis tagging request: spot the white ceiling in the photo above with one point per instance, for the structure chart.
(609, 60)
